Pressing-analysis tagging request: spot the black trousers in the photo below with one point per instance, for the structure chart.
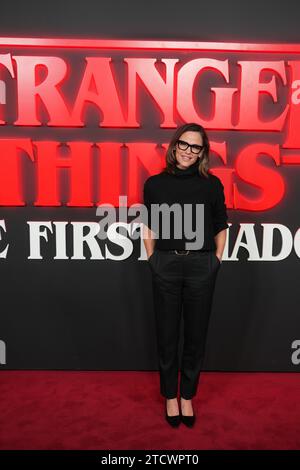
(183, 285)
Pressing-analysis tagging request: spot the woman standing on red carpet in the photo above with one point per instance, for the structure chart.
(184, 279)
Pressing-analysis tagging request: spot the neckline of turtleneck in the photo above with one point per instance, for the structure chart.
(190, 171)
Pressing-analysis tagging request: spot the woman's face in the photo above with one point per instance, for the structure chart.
(186, 158)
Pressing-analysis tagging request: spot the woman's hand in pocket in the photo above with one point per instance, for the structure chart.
(219, 257)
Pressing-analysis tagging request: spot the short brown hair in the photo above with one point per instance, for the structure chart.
(204, 160)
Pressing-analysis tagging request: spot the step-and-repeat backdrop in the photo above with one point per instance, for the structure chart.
(83, 123)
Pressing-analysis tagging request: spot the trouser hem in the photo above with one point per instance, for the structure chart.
(169, 396)
(186, 397)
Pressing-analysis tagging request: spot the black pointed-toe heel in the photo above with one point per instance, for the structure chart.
(174, 421)
(189, 421)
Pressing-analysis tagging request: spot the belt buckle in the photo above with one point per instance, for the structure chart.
(187, 252)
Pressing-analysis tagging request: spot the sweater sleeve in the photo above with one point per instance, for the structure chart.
(147, 203)
(219, 209)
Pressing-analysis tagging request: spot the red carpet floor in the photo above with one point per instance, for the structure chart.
(124, 410)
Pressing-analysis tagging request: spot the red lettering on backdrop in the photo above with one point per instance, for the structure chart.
(49, 161)
(110, 172)
(162, 91)
(141, 154)
(225, 174)
(222, 97)
(251, 89)
(78, 163)
(48, 91)
(293, 136)
(99, 87)
(98, 73)
(5, 61)
(269, 181)
(11, 184)
(40, 83)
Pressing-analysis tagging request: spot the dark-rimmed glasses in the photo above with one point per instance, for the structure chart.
(182, 145)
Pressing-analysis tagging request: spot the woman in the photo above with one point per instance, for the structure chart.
(184, 279)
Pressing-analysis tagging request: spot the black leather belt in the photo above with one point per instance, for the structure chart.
(182, 252)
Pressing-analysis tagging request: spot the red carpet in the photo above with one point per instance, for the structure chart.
(124, 410)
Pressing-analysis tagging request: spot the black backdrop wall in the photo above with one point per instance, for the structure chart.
(98, 313)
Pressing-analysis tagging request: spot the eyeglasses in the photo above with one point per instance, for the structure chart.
(182, 145)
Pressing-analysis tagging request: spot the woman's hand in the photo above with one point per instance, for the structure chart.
(149, 241)
(219, 257)
(220, 240)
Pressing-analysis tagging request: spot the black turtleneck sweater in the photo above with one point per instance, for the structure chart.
(186, 187)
